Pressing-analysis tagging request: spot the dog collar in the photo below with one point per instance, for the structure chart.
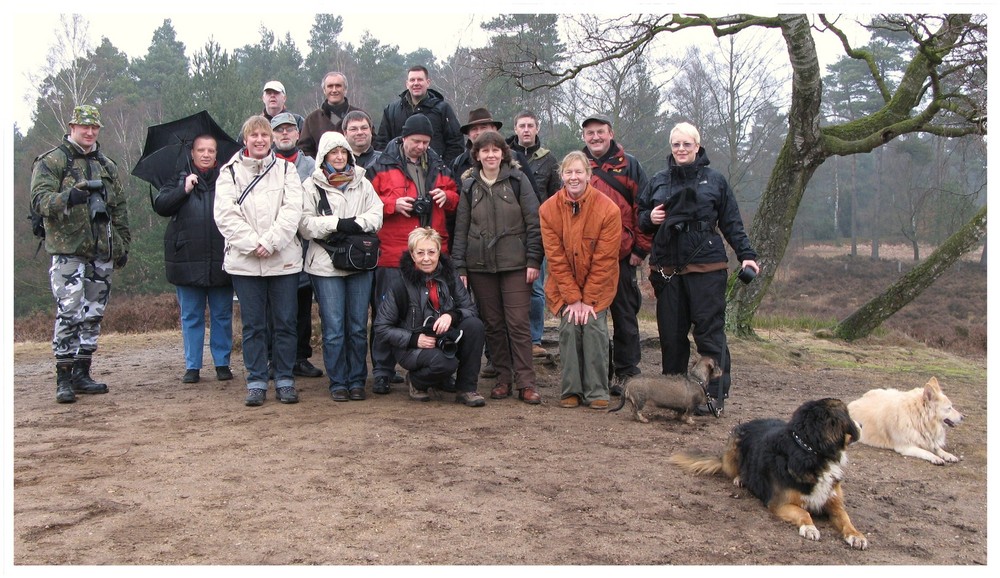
(801, 443)
(708, 397)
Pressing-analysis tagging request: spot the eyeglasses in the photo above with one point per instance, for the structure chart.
(358, 129)
(682, 145)
(286, 129)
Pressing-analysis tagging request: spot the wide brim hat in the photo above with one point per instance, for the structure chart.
(480, 116)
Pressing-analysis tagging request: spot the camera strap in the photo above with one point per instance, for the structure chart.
(690, 258)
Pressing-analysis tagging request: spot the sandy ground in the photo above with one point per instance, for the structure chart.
(163, 473)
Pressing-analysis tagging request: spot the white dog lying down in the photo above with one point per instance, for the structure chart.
(910, 422)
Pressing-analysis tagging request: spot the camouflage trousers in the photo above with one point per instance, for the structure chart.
(81, 288)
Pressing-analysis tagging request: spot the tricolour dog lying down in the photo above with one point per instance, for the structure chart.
(910, 422)
(681, 393)
(794, 468)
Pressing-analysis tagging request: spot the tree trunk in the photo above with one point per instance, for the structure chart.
(854, 206)
(863, 321)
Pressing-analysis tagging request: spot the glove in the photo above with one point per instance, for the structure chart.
(120, 261)
(77, 197)
(348, 225)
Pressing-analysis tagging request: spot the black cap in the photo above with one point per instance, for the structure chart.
(417, 124)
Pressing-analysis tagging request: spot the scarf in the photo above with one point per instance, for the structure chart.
(289, 155)
(335, 112)
(338, 179)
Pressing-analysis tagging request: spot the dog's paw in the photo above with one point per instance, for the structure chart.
(737, 482)
(641, 418)
(950, 457)
(809, 532)
(857, 541)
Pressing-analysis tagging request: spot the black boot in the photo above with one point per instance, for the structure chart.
(64, 378)
(82, 382)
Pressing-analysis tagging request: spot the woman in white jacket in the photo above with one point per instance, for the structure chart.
(258, 203)
(339, 199)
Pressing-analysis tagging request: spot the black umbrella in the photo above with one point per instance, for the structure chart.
(168, 147)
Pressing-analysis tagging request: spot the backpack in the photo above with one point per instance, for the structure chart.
(37, 221)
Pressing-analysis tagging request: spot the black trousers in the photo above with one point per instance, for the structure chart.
(693, 303)
(432, 368)
(383, 357)
(626, 350)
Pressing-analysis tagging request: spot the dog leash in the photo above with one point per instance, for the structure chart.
(708, 400)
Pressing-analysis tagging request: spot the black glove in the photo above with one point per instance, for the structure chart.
(348, 225)
(120, 261)
(77, 197)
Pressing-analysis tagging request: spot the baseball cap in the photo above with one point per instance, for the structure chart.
(275, 85)
(283, 118)
(601, 118)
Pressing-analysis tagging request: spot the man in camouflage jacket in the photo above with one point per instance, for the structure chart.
(78, 193)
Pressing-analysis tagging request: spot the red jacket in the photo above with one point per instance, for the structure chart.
(391, 181)
(626, 169)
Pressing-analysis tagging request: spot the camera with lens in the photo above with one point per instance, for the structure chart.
(447, 342)
(746, 275)
(422, 207)
(95, 202)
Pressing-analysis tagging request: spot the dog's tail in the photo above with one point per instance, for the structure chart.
(621, 403)
(698, 464)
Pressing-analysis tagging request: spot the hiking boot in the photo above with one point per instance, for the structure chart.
(488, 370)
(303, 368)
(191, 376)
(571, 400)
(416, 394)
(223, 373)
(255, 397)
(381, 385)
(397, 377)
(339, 394)
(81, 381)
(501, 390)
(538, 351)
(357, 394)
(470, 398)
(287, 394)
(599, 404)
(64, 377)
(528, 394)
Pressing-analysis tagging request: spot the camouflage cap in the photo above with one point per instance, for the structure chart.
(86, 114)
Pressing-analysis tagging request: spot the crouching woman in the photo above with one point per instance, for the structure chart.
(430, 321)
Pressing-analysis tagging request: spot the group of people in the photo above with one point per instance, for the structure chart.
(478, 234)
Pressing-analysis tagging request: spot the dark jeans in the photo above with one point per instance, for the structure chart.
(431, 368)
(698, 301)
(625, 316)
(258, 295)
(303, 324)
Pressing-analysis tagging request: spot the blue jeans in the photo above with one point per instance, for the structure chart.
(536, 311)
(256, 295)
(343, 313)
(192, 301)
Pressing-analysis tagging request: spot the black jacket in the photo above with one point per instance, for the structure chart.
(192, 244)
(401, 314)
(543, 164)
(700, 205)
(447, 138)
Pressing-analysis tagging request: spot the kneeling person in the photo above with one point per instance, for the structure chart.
(421, 316)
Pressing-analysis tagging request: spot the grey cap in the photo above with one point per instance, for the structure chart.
(601, 118)
(283, 118)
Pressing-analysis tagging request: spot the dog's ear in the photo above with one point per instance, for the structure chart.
(932, 390)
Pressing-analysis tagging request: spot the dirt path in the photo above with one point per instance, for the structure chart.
(158, 472)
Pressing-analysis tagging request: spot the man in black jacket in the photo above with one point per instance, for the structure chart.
(420, 98)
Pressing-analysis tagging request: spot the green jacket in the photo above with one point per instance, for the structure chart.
(68, 230)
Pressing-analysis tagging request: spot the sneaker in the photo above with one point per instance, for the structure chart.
(471, 399)
(191, 376)
(339, 394)
(303, 368)
(397, 377)
(416, 394)
(223, 373)
(599, 404)
(287, 395)
(381, 385)
(255, 397)
(357, 394)
(538, 351)
(488, 370)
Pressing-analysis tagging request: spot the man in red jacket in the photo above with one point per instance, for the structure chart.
(619, 175)
(417, 190)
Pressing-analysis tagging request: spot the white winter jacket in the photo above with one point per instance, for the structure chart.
(268, 215)
(358, 200)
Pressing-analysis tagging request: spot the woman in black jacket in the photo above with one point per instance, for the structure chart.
(428, 318)
(689, 208)
(192, 254)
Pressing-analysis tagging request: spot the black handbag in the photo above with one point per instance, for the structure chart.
(354, 252)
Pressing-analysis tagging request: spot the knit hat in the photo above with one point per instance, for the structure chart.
(86, 114)
(417, 124)
(480, 116)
